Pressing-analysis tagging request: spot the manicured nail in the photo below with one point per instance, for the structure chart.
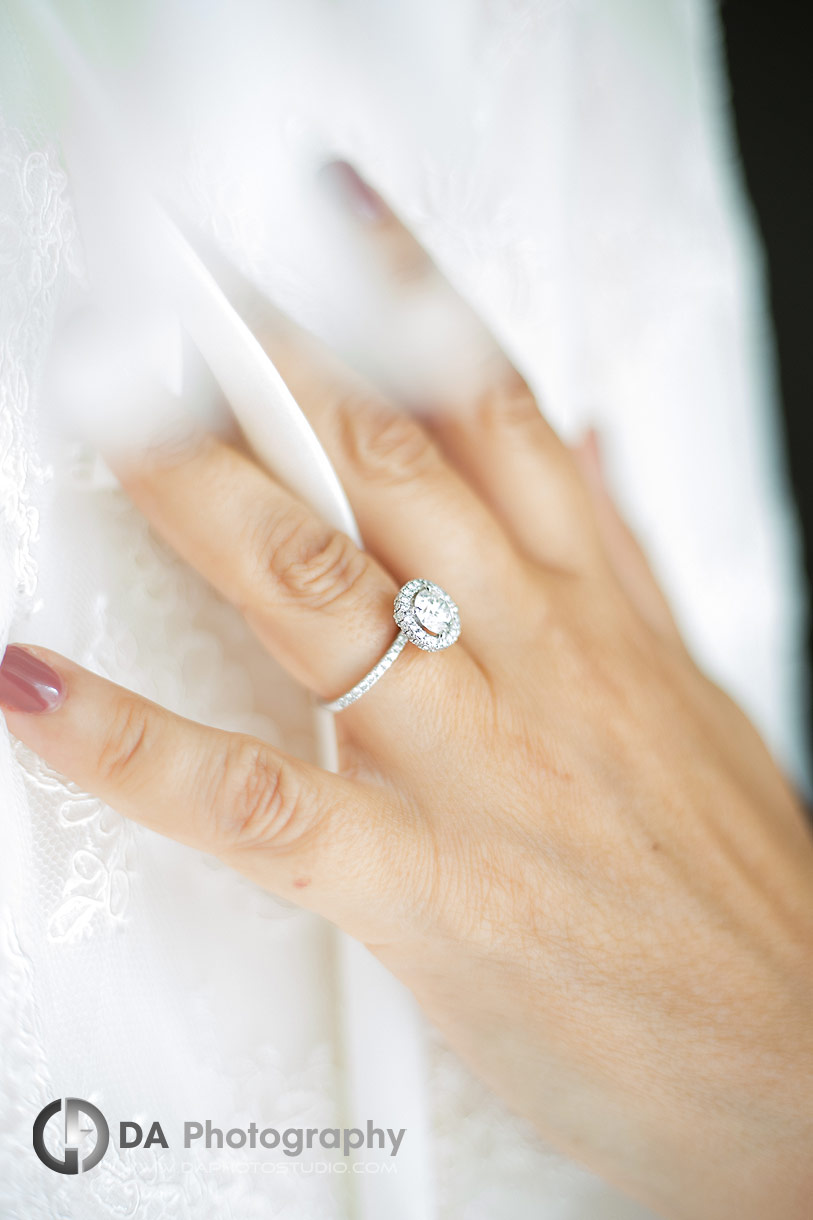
(28, 684)
(350, 189)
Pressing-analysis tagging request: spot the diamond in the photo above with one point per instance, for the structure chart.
(432, 612)
(427, 615)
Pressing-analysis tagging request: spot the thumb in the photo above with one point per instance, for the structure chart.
(328, 843)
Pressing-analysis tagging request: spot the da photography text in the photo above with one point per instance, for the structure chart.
(71, 1136)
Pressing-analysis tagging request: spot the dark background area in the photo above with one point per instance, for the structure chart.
(769, 59)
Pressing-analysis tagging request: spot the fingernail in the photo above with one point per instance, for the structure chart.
(28, 684)
(590, 458)
(350, 190)
(593, 445)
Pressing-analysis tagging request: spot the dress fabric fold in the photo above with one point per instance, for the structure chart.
(570, 167)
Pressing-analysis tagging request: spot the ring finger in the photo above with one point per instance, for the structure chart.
(319, 604)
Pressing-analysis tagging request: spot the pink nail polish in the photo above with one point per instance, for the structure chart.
(28, 684)
(350, 189)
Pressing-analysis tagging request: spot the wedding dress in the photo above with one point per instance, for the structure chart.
(570, 167)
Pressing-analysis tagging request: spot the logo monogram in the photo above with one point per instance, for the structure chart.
(74, 1106)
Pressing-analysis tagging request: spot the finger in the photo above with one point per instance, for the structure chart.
(623, 550)
(318, 839)
(416, 513)
(484, 416)
(522, 469)
(405, 262)
(323, 607)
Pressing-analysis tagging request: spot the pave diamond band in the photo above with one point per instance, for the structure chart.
(426, 616)
(371, 678)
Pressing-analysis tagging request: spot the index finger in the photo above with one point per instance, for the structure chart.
(319, 839)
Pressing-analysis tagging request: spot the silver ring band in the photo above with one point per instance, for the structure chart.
(425, 616)
(372, 677)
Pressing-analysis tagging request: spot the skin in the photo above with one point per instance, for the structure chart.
(571, 846)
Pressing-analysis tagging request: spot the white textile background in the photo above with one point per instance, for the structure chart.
(571, 168)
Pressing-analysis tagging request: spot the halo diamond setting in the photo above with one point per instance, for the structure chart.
(427, 615)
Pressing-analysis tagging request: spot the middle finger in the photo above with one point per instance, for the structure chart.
(417, 514)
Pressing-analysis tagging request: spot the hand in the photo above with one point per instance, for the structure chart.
(568, 843)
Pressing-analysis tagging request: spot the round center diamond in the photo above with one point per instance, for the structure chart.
(432, 612)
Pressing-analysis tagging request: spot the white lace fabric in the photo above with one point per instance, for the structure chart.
(569, 168)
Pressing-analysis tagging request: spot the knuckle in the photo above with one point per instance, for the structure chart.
(384, 444)
(260, 800)
(309, 563)
(125, 741)
(324, 570)
(510, 405)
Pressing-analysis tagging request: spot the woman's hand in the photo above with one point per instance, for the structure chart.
(572, 847)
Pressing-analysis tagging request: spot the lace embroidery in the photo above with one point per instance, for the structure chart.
(36, 241)
(25, 1084)
(99, 864)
